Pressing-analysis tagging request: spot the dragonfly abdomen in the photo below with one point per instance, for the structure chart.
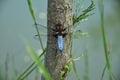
(60, 43)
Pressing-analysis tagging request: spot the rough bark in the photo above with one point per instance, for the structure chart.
(59, 11)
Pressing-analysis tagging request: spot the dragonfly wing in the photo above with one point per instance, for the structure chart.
(78, 33)
(42, 31)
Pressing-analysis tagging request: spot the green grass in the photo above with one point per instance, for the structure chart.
(30, 69)
(35, 22)
(86, 62)
(32, 66)
(77, 17)
(39, 63)
(0, 74)
(101, 9)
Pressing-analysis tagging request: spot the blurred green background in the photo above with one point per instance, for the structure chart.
(16, 24)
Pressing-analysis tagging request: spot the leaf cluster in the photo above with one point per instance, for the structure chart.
(77, 17)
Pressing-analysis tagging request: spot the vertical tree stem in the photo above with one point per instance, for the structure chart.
(59, 11)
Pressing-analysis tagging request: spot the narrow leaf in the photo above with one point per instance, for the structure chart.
(41, 67)
(31, 9)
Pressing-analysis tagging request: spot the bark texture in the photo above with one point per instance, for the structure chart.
(59, 11)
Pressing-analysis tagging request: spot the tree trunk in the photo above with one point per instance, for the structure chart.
(59, 11)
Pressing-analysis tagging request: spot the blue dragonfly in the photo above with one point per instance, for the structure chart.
(60, 33)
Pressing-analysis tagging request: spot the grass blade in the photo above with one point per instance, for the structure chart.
(39, 64)
(29, 69)
(35, 22)
(101, 9)
(31, 10)
(86, 62)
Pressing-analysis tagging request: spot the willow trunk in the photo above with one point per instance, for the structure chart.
(59, 11)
